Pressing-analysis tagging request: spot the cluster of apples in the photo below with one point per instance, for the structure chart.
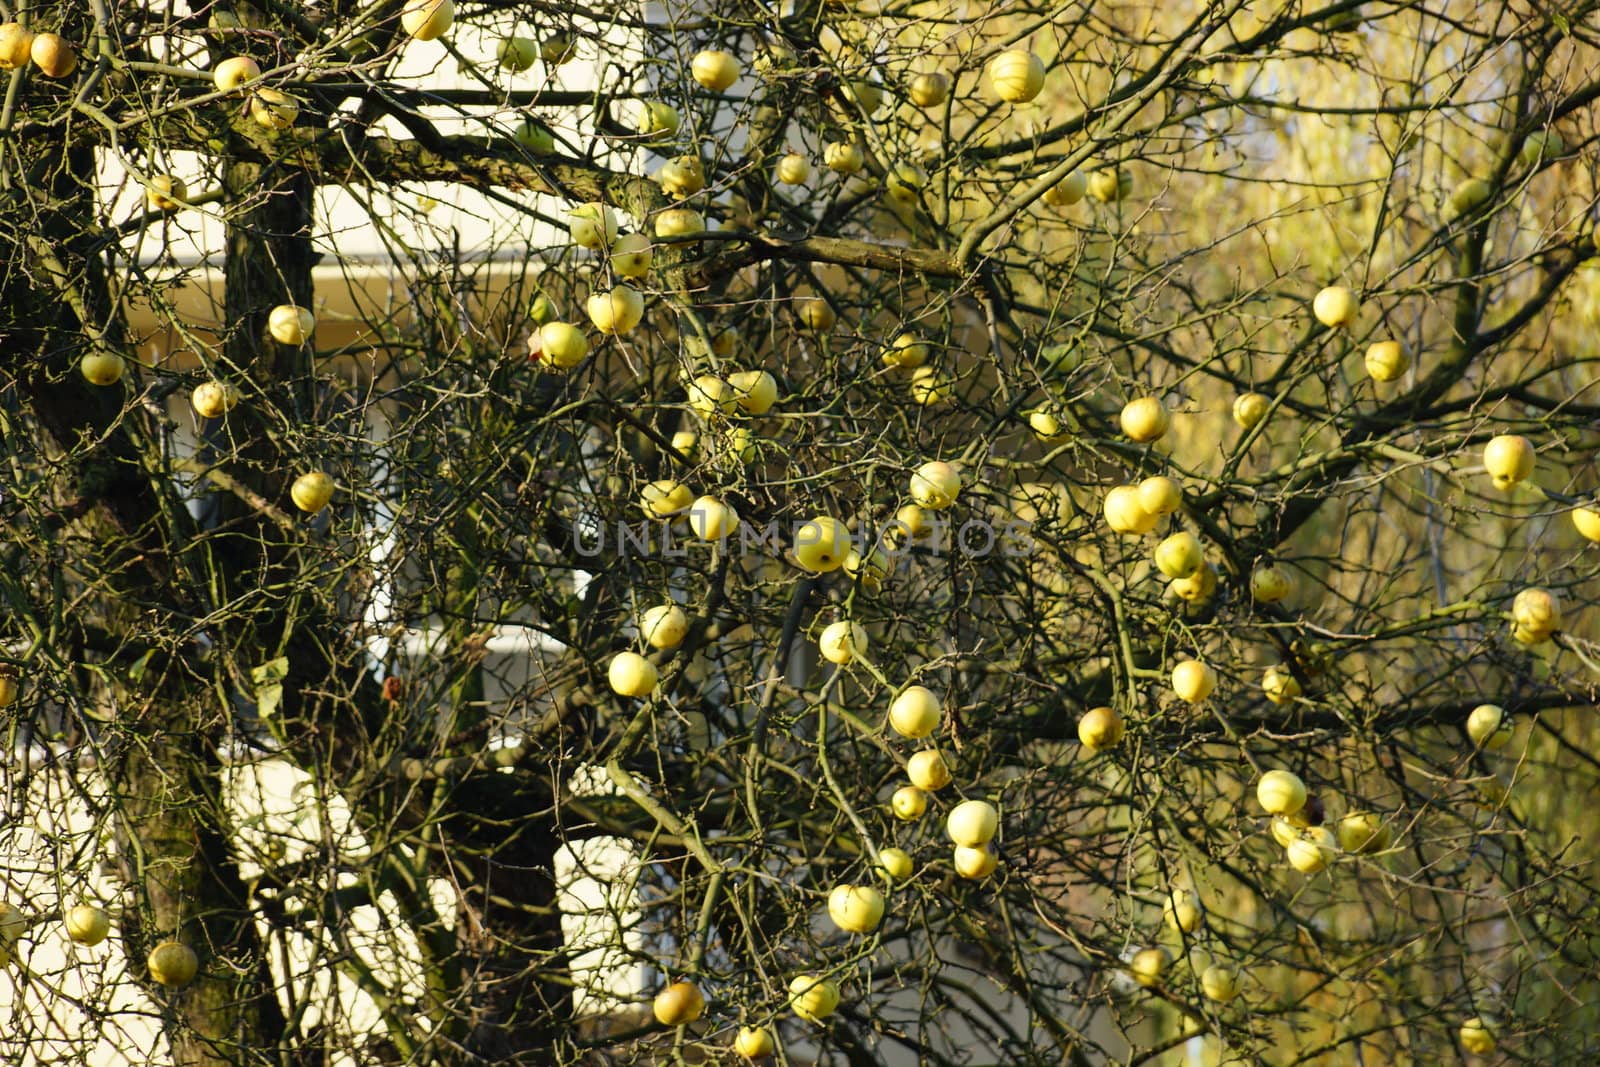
(52, 53)
(170, 964)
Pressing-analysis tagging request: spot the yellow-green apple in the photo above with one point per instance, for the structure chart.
(562, 345)
(682, 176)
(593, 226)
(855, 909)
(16, 45)
(1281, 793)
(895, 864)
(290, 324)
(1179, 555)
(907, 350)
(1489, 727)
(1198, 589)
(658, 120)
(1587, 522)
(234, 72)
(1045, 424)
(841, 642)
(557, 48)
(101, 368)
(1124, 512)
(1219, 983)
(516, 53)
(929, 386)
(87, 924)
(1363, 832)
(1312, 849)
(1387, 360)
(1477, 1036)
(312, 491)
(815, 313)
(427, 20)
(711, 396)
(8, 696)
(1100, 729)
(166, 193)
(929, 90)
(1270, 583)
(1110, 184)
(172, 964)
(1335, 307)
(631, 675)
(1015, 75)
(972, 823)
(712, 519)
(1540, 146)
(754, 390)
(975, 863)
(1148, 965)
(911, 520)
(1181, 909)
(535, 136)
(1160, 495)
(793, 169)
(869, 572)
(273, 109)
(616, 311)
(664, 498)
(813, 997)
(1144, 419)
(843, 157)
(908, 803)
(1250, 408)
(1283, 831)
(1193, 680)
(631, 255)
(1509, 459)
(679, 1004)
(915, 712)
(214, 399)
(904, 182)
(1068, 190)
(664, 626)
(754, 1043)
(715, 69)
(935, 485)
(821, 544)
(1280, 686)
(1536, 613)
(927, 770)
(1466, 198)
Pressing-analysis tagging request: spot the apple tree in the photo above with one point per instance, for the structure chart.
(925, 532)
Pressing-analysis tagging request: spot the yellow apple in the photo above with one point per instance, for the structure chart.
(1198, 589)
(714, 69)
(1587, 522)
(557, 48)
(927, 770)
(1124, 512)
(1193, 681)
(1489, 727)
(311, 491)
(631, 675)
(813, 997)
(664, 626)
(101, 368)
(710, 396)
(916, 712)
(912, 521)
(1283, 831)
(214, 399)
(562, 345)
(1281, 793)
(172, 964)
(821, 544)
(1110, 184)
(754, 1042)
(930, 386)
(1387, 360)
(427, 20)
(8, 694)
(679, 1004)
(972, 823)
(1144, 419)
(1270, 583)
(1045, 424)
(1509, 459)
(1068, 190)
(658, 121)
(712, 519)
(855, 909)
(1466, 198)
(975, 863)
(907, 350)
(87, 924)
(617, 311)
(1541, 146)
(1160, 495)
(755, 391)
(1477, 1036)
(273, 109)
(1219, 983)
(290, 325)
(841, 642)
(935, 485)
(1537, 613)
(592, 225)
(895, 864)
(1250, 408)
(929, 90)
(166, 193)
(1335, 307)
(679, 222)
(234, 72)
(682, 177)
(1180, 555)
(904, 182)
(16, 45)
(1181, 909)
(843, 157)
(631, 256)
(1312, 849)
(664, 498)
(1016, 75)
(1280, 685)
(793, 169)
(815, 313)
(908, 803)
(515, 53)
(869, 572)
(1148, 965)
(1363, 832)
(1100, 729)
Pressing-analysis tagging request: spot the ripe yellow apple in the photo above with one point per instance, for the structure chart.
(972, 823)
(1509, 459)
(930, 386)
(1477, 1036)
(233, 72)
(1016, 75)
(1193, 680)
(975, 863)
(1110, 184)
(1148, 965)
(1125, 513)
(1181, 909)
(935, 485)
(1312, 849)
(1100, 729)
(679, 222)
(1280, 685)
(1250, 408)
(1219, 983)
(632, 255)
(679, 1004)
(1536, 613)
(754, 1042)
(927, 770)
(1160, 495)
(664, 626)
(813, 997)
(841, 642)
(1068, 190)
(1363, 832)
(821, 544)
(290, 325)
(1281, 793)
(815, 313)
(562, 345)
(1540, 146)
(1045, 424)
(515, 53)
(172, 964)
(793, 169)
(843, 157)
(8, 688)
(908, 803)
(214, 399)
(54, 55)
(311, 491)
(895, 864)
(904, 182)
(1283, 831)
(1145, 419)
(557, 48)
(101, 368)
(1587, 522)
(681, 177)
(1387, 360)
(1335, 307)
(1180, 555)
(87, 924)
(165, 193)
(427, 20)
(929, 90)
(592, 225)
(714, 69)
(916, 712)
(273, 109)
(869, 572)
(907, 350)
(912, 521)
(710, 396)
(755, 391)
(712, 519)
(664, 498)
(1198, 589)
(855, 909)
(617, 311)
(631, 675)
(16, 45)
(658, 121)
(1466, 198)
(1270, 583)
(1489, 727)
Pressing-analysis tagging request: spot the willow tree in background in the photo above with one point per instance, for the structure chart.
(1067, 289)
